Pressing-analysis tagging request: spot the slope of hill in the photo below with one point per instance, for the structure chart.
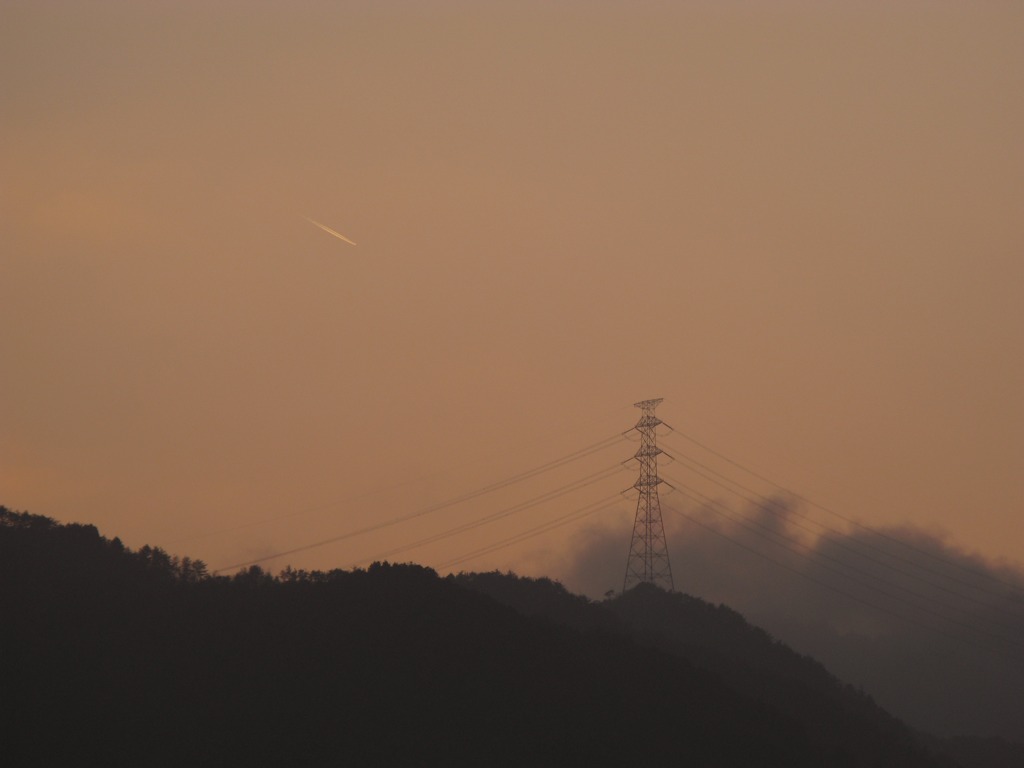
(841, 722)
(139, 658)
(716, 638)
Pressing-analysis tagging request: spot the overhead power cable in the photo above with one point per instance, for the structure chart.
(838, 590)
(538, 470)
(503, 513)
(784, 541)
(550, 525)
(841, 539)
(850, 520)
(305, 510)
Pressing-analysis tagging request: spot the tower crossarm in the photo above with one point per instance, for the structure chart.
(647, 451)
(648, 422)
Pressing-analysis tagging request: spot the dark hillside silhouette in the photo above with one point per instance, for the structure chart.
(139, 658)
(976, 752)
(842, 723)
(114, 656)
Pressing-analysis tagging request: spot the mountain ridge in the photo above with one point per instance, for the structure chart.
(113, 651)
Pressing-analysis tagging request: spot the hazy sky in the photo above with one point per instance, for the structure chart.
(798, 222)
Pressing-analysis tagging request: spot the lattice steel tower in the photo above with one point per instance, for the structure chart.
(648, 551)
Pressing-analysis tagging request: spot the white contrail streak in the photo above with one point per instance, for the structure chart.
(329, 231)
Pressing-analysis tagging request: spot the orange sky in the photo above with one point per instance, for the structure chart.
(799, 223)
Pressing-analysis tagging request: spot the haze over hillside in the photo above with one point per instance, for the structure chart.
(934, 633)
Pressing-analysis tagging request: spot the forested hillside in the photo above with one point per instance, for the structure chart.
(136, 657)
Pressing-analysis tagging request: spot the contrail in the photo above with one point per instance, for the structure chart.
(329, 231)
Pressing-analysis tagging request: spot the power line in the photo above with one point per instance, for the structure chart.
(538, 470)
(302, 512)
(779, 540)
(851, 521)
(541, 499)
(530, 533)
(350, 499)
(775, 507)
(874, 606)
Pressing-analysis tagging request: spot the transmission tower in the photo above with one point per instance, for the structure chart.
(648, 551)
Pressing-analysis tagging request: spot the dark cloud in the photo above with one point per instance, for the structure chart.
(936, 634)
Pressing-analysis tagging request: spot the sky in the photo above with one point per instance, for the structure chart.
(798, 223)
